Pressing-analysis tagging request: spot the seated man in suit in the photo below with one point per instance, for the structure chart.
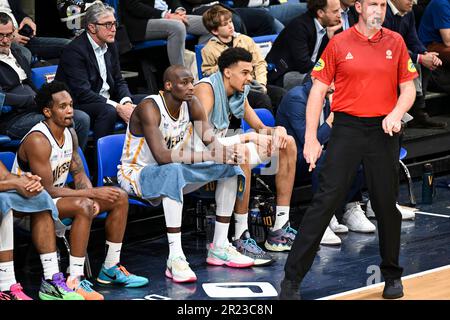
(301, 43)
(17, 90)
(90, 67)
(25, 34)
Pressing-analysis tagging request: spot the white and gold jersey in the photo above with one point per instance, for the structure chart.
(136, 153)
(60, 157)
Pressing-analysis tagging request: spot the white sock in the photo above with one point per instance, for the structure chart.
(282, 216)
(175, 249)
(220, 234)
(112, 254)
(240, 224)
(7, 276)
(50, 265)
(173, 212)
(225, 196)
(76, 266)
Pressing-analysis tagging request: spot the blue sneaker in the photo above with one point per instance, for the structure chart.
(118, 275)
(248, 247)
(281, 239)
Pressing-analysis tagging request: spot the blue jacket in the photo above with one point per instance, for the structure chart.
(79, 69)
(406, 26)
(291, 114)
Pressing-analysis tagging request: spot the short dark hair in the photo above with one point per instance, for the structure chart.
(233, 55)
(212, 18)
(44, 97)
(316, 5)
(5, 18)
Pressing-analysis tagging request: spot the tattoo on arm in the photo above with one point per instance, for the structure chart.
(78, 174)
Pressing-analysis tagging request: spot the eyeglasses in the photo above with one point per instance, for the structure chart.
(108, 25)
(8, 36)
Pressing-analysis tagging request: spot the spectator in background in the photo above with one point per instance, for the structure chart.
(158, 19)
(282, 11)
(250, 21)
(18, 91)
(25, 34)
(349, 16)
(400, 18)
(90, 67)
(218, 21)
(301, 43)
(434, 32)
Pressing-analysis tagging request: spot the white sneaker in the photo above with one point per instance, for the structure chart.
(407, 213)
(336, 227)
(228, 256)
(179, 271)
(329, 238)
(355, 219)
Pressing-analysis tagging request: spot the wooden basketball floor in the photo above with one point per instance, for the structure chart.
(432, 284)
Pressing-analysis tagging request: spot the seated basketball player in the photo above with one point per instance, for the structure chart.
(164, 157)
(50, 150)
(25, 195)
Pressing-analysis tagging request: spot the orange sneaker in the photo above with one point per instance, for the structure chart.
(84, 288)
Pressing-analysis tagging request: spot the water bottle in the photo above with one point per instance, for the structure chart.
(427, 184)
(256, 223)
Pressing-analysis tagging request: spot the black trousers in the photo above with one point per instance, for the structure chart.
(353, 141)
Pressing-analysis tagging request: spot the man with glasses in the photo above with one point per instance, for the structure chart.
(18, 91)
(25, 37)
(90, 67)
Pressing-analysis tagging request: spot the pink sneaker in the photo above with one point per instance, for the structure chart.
(16, 292)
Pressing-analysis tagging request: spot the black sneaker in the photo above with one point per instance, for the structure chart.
(290, 290)
(423, 120)
(393, 289)
(248, 247)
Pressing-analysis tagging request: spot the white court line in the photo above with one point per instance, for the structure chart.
(414, 275)
(433, 214)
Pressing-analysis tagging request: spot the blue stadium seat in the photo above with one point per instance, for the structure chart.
(109, 152)
(268, 119)
(42, 75)
(260, 39)
(7, 158)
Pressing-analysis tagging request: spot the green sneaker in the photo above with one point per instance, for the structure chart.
(57, 289)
